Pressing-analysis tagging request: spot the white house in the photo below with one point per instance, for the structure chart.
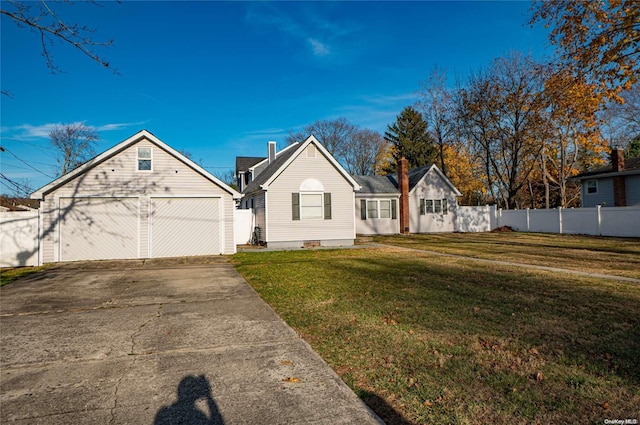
(301, 196)
(429, 198)
(139, 199)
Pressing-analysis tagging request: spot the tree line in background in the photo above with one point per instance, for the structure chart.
(515, 132)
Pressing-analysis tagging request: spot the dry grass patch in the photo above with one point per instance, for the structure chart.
(426, 339)
(617, 256)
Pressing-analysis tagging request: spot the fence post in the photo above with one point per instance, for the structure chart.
(560, 219)
(599, 218)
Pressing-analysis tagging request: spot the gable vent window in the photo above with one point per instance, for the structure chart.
(311, 151)
(144, 159)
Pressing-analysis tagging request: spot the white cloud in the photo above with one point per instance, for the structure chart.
(318, 48)
(305, 24)
(32, 132)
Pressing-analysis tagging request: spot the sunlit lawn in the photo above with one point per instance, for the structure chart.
(8, 275)
(618, 256)
(445, 340)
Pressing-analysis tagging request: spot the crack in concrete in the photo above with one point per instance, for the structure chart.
(133, 362)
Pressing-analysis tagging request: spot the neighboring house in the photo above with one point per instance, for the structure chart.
(139, 199)
(301, 196)
(616, 185)
(245, 170)
(430, 202)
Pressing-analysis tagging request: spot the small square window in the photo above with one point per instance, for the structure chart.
(144, 159)
(592, 187)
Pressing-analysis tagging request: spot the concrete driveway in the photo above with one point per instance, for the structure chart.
(182, 341)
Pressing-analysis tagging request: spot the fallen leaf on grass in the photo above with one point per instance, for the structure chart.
(539, 377)
(605, 405)
(291, 379)
(286, 362)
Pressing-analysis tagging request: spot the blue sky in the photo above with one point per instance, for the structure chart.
(220, 79)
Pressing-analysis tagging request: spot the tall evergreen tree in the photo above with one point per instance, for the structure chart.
(410, 139)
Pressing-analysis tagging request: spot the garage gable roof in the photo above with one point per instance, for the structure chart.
(143, 134)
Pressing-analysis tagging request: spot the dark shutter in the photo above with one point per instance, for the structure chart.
(295, 206)
(394, 209)
(363, 209)
(327, 206)
(421, 206)
(445, 207)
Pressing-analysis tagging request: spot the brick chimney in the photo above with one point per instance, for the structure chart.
(619, 187)
(403, 184)
(617, 159)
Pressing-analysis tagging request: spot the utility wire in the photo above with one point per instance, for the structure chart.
(28, 143)
(17, 185)
(26, 163)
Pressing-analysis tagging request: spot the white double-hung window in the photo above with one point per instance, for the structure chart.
(145, 158)
(311, 205)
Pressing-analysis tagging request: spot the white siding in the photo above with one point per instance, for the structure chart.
(376, 226)
(432, 187)
(281, 226)
(118, 177)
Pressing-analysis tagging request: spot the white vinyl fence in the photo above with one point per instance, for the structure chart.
(19, 238)
(598, 221)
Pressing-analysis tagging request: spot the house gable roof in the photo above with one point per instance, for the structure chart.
(631, 166)
(243, 163)
(143, 134)
(384, 184)
(286, 157)
(377, 184)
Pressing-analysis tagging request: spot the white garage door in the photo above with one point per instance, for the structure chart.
(185, 226)
(98, 228)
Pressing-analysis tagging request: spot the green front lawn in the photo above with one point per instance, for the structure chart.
(432, 339)
(8, 275)
(617, 256)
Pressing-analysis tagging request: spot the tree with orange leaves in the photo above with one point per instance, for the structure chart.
(573, 141)
(596, 39)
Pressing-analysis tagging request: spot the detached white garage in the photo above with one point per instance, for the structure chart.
(139, 199)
